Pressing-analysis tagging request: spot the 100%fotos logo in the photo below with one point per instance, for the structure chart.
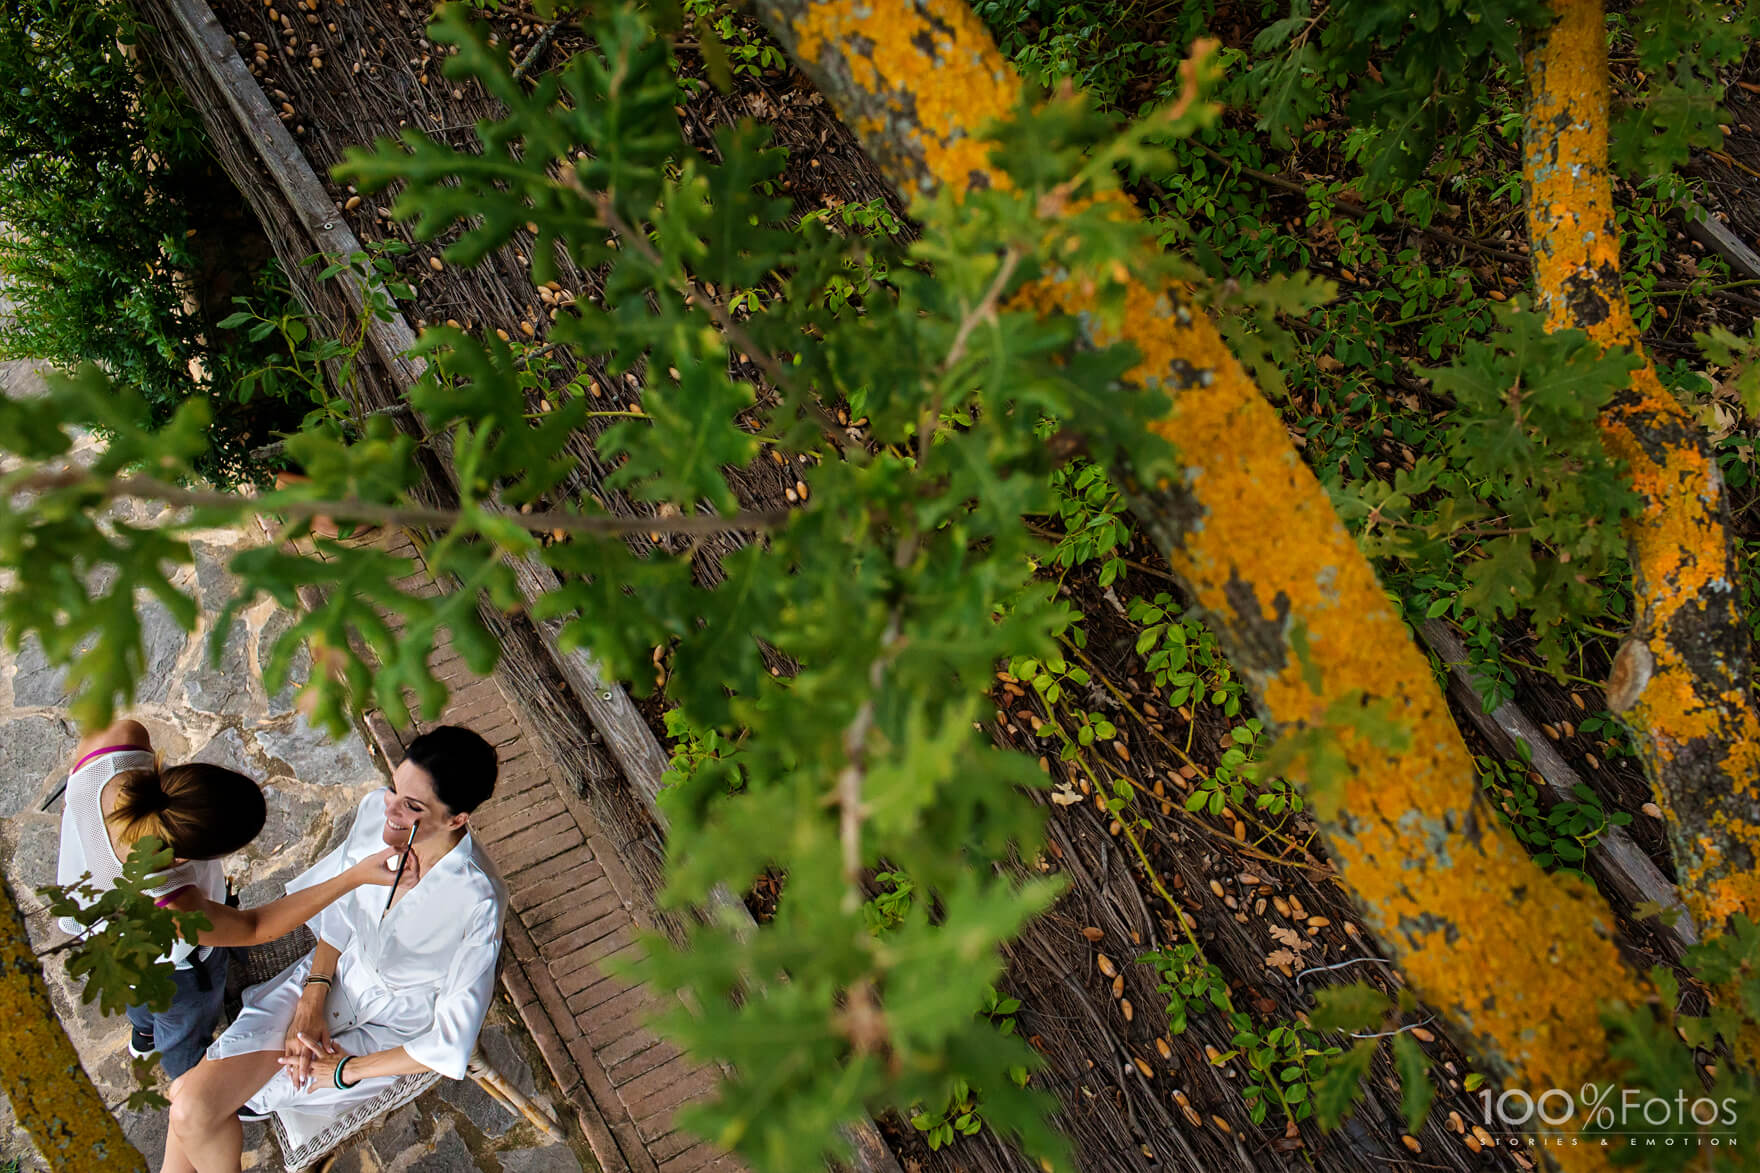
(1605, 1109)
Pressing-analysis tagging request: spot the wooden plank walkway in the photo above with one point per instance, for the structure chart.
(572, 912)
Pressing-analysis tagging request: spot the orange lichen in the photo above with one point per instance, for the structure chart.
(50, 1093)
(1517, 958)
(891, 51)
(1697, 729)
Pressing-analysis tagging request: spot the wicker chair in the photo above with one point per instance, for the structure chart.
(262, 962)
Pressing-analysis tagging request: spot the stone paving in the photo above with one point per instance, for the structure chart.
(224, 715)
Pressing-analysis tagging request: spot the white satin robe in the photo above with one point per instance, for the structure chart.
(422, 979)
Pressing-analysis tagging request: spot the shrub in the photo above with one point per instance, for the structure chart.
(122, 237)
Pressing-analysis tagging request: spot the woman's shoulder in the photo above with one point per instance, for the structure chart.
(481, 894)
(91, 770)
(126, 734)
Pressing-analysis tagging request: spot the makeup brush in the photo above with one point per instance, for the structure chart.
(402, 860)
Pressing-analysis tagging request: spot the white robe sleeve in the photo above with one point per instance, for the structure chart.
(464, 1000)
(332, 924)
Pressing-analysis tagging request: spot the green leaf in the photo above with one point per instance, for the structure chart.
(1355, 1007)
(1416, 1091)
(1341, 1086)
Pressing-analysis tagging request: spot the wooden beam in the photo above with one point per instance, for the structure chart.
(1714, 234)
(1614, 858)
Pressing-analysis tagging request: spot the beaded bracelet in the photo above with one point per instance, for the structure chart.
(336, 1077)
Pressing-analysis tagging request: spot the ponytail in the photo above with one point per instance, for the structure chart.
(198, 810)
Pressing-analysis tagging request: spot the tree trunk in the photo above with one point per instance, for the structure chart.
(1680, 680)
(50, 1092)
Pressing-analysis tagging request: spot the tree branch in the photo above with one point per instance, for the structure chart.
(1622, 865)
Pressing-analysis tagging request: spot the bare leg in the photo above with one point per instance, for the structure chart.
(176, 1160)
(205, 1135)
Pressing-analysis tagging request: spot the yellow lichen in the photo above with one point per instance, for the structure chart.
(934, 69)
(50, 1093)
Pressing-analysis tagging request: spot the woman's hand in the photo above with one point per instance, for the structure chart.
(324, 1074)
(381, 869)
(307, 1043)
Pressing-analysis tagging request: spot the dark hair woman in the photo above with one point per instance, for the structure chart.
(396, 985)
(119, 793)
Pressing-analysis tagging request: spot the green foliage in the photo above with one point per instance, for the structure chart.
(1681, 47)
(1416, 1092)
(86, 571)
(1181, 653)
(731, 46)
(703, 757)
(908, 571)
(1092, 513)
(1314, 753)
(119, 227)
(1389, 66)
(1227, 782)
(1280, 1067)
(865, 269)
(122, 960)
(1722, 348)
(907, 576)
(1338, 1091)
(1049, 676)
(959, 1115)
(869, 217)
(1411, 81)
(1341, 1077)
(297, 377)
(887, 910)
(1559, 834)
(63, 542)
(1050, 42)
(1526, 484)
(1190, 982)
(1662, 1050)
(1439, 592)
(962, 1112)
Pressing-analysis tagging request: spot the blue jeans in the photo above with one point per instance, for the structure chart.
(183, 1032)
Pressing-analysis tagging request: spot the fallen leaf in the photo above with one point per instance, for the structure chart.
(1289, 938)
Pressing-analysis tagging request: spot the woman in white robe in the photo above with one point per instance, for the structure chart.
(407, 988)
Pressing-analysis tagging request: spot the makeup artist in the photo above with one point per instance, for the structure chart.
(119, 792)
(392, 988)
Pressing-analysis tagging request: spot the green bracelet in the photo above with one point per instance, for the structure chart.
(336, 1078)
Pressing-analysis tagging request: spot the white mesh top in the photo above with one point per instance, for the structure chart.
(86, 846)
